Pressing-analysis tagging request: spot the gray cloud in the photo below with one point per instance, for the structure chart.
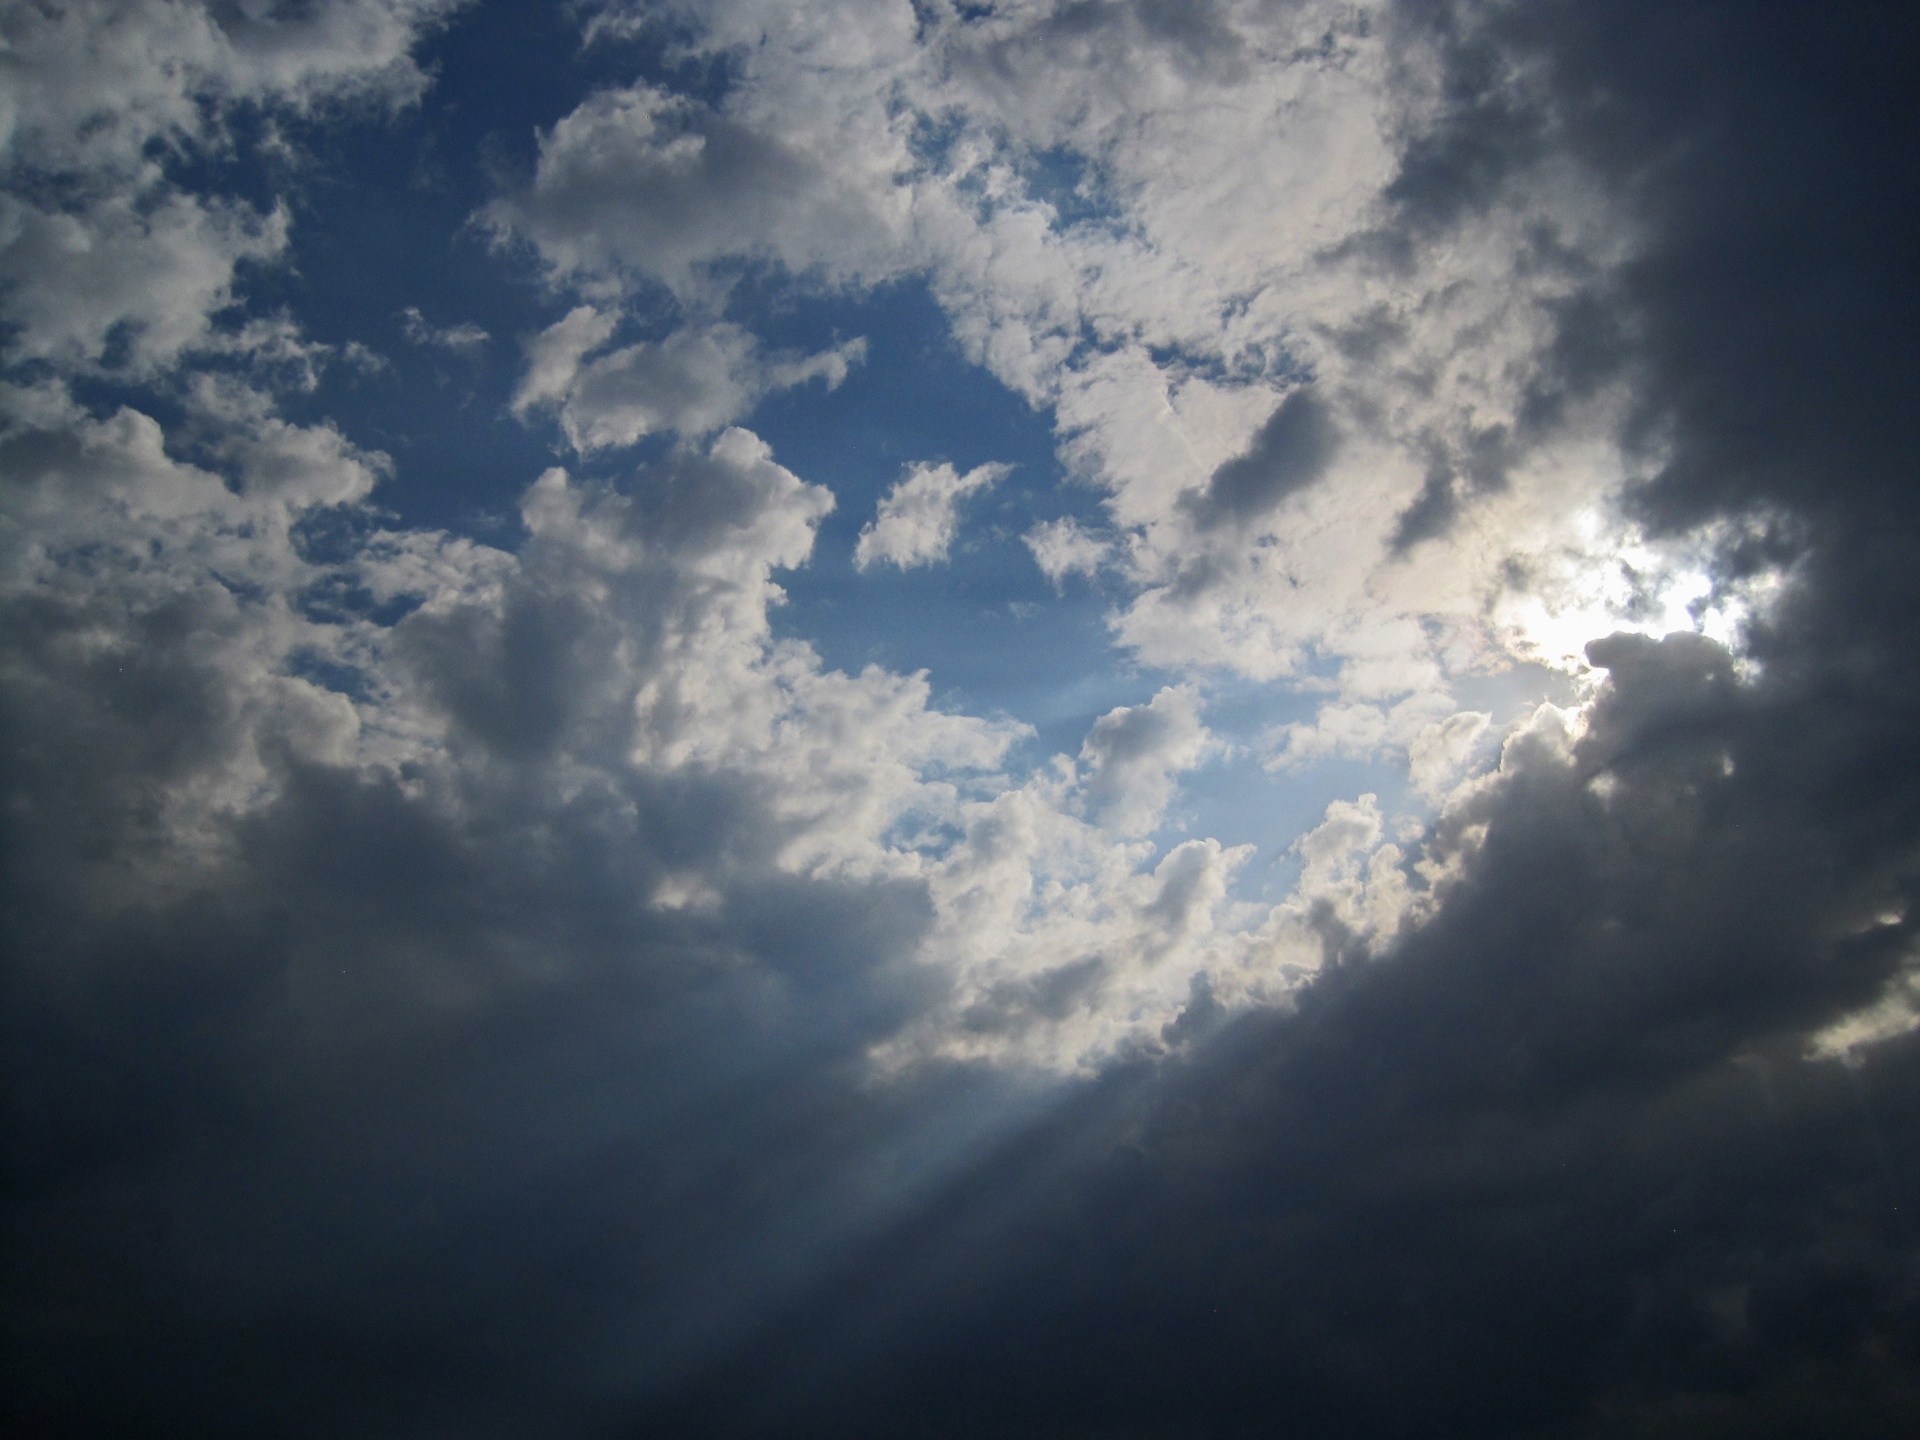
(1557, 1163)
(642, 182)
(1288, 452)
(298, 1037)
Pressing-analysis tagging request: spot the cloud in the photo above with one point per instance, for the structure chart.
(693, 382)
(643, 182)
(1566, 1119)
(573, 822)
(1437, 754)
(77, 281)
(1289, 452)
(286, 800)
(917, 518)
(1454, 437)
(457, 338)
(502, 982)
(1436, 739)
(92, 85)
(1064, 547)
(1133, 753)
(103, 259)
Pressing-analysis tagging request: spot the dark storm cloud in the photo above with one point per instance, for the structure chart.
(1775, 310)
(342, 1163)
(413, 1082)
(326, 1096)
(1556, 1165)
(1768, 155)
(1288, 453)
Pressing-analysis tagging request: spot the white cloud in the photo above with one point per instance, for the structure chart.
(918, 516)
(1134, 752)
(91, 94)
(457, 338)
(89, 86)
(157, 272)
(1437, 754)
(1065, 547)
(693, 382)
(640, 182)
(1895, 1013)
(1436, 739)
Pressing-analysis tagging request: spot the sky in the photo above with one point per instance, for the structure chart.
(1056, 718)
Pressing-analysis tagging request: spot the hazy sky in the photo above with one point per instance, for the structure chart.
(1098, 718)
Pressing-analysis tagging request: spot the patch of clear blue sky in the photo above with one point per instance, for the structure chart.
(985, 624)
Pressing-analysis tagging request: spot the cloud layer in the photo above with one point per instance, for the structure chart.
(504, 979)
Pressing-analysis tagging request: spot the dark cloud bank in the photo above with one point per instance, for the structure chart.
(318, 1147)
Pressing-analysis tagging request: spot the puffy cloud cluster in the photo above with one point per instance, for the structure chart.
(103, 258)
(1359, 415)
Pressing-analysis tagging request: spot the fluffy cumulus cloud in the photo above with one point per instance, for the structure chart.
(103, 256)
(1065, 547)
(919, 516)
(691, 383)
(494, 946)
(640, 183)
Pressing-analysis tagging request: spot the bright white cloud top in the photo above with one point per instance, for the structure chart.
(919, 515)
